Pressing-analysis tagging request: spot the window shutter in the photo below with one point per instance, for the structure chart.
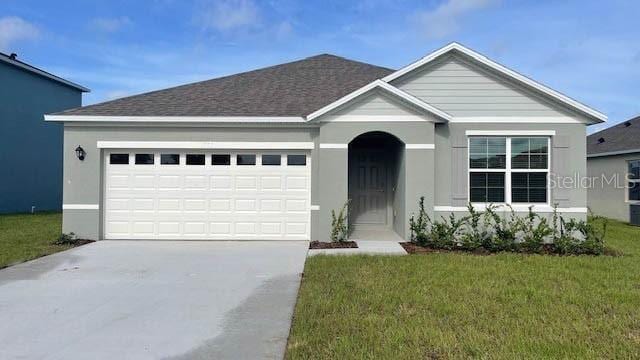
(559, 164)
(459, 171)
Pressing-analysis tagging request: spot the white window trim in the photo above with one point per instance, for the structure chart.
(507, 173)
(515, 133)
(628, 180)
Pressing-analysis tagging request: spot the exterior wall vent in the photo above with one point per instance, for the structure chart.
(600, 140)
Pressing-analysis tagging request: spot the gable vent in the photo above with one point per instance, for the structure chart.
(600, 141)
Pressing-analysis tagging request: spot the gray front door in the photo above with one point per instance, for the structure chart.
(368, 186)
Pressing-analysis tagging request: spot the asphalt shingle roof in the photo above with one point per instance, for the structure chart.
(292, 89)
(622, 137)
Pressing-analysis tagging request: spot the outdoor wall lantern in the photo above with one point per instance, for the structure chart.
(80, 153)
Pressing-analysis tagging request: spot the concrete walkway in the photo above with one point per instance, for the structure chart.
(367, 247)
(152, 300)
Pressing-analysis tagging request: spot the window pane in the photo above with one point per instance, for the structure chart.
(634, 169)
(478, 161)
(221, 159)
(486, 187)
(538, 162)
(119, 159)
(478, 145)
(297, 160)
(529, 187)
(519, 146)
(539, 145)
(634, 191)
(144, 159)
(246, 159)
(169, 159)
(520, 162)
(195, 159)
(495, 195)
(538, 195)
(478, 195)
(497, 145)
(497, 161)
(271, 159)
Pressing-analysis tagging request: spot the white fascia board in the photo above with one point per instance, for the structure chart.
(501, 69)
(177, 119)
(510, 132)
(374, 118)
(387, 87)
(204, 145)
(517, 120)
(613, 153)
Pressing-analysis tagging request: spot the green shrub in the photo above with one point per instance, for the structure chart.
(66, 239)
(494, 232)
(419, 225)
(339, 224)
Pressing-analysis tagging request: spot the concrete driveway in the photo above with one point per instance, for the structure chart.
(152, 300)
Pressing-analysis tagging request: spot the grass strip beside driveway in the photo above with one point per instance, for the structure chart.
(25, 237)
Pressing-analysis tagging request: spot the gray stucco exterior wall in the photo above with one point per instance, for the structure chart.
(30, 148)
(607, 196)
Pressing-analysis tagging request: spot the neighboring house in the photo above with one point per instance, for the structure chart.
(30, 149)
(614, 161)
(267, 154)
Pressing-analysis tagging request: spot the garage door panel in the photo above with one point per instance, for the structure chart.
(220, 202)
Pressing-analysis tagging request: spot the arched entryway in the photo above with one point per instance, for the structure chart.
(376, 190)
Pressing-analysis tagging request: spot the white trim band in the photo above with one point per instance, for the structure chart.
(375, 118)
(204, 145)
(80, 207)
(177, 119)
(420, 146)
(334, 146)
(510, 132)
(315, 207)
(516, 208)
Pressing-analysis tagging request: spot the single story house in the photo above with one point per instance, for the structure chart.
(31, 150)
(614, 164)
(267, 154)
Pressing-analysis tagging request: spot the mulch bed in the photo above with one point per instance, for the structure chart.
(333, 245)
(412, 248)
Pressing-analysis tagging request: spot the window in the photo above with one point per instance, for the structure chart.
(271, 159)
(221, 159)
(169, 159)
(246, 159)
(144, 159)
(634, 180)
(296, 160)
(118, 159)
(520, 177)
(195, 159)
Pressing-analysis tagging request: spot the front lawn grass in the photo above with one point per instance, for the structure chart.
(25, 236)
(454, 305)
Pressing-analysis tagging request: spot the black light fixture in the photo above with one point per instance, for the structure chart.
(80, 153)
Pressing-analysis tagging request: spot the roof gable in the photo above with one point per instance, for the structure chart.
(459, 50)
(380, 85)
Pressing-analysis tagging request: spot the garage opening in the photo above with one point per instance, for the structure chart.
(376, 186)
(207, 194)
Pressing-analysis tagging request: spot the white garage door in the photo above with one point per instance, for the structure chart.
(214, 195)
